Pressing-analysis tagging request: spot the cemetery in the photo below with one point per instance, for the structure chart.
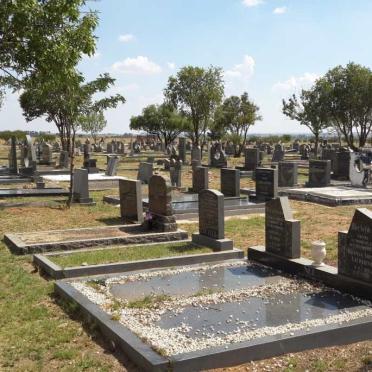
(168, 216)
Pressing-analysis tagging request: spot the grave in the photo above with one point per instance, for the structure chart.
(145, 172)
(91, 165)
(319, 173)
(112, 166)
(251, 159)
(13, 165)
(223, 314)
(131, 209)
(341, 165)
(182, 149)
(266, 184)
(196, 157)
(287, 174)
(199, 179)
(230, 182)
(217, 156)
(48, 191)
(80, 187)
(64, 159)
(278, 154)
(175, 172)
(212, 221)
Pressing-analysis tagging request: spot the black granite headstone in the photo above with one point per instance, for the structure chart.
(230, 182)
(288, 174)
(266, 184)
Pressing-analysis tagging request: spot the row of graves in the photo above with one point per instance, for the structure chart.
(216, 308)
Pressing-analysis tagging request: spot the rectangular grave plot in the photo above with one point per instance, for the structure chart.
(190, 335)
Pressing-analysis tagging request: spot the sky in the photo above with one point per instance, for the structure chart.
(268, 48)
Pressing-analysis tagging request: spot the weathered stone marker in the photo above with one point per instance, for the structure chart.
(145, 172)
(160, 204)
(81, 188)
(355, 247)
(319, 173)
(112, 166)
(230, 182)
(266, 184)
(211, 221)
(182, 149)
(288, 174)
(13, 165)
(283, 233)
(131, 208)
(196, 157)
(199, 179)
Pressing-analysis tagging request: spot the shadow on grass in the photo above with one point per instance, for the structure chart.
(111, 221)
(91, 328)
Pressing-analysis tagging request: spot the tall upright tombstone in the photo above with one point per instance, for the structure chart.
(199, 179)
(196, 157)
(266, 184)
(182, 149)
(230, 182)
(319, 173)
(112, 166)
(81, 187)
(160, 204)
(288, 174)
(251, 159)
(13, 166)
(131, 209)
(282, 232)
(145, 172)
(355, 248)
(212, 221)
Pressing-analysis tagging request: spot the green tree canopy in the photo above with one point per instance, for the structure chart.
(93, 122)
(164, 121)
(196, 92)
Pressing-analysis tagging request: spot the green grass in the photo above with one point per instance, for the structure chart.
(110, 255)
(148, 302)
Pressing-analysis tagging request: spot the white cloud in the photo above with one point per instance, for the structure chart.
(304, 81)
(243, 70)
(251, 3)
(137, 66)
(280, 10)
(126, 38)
(171, 65)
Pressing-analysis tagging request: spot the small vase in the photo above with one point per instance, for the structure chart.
(318, 252)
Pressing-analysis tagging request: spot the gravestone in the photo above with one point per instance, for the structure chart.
(112, 165)
(266, 184)
(212, 221)
(319, 173)
(46, 154)
(341, 165)
(13, 166)
(175, 171)
(109, 148)
(283, 233)
(145, 172)
(91, 165)
(288, 174)
(251, 159)
(230, 182)
(64, 159)
(130, 192)
(278, 154)
(196, 156)
(182, 149)
(81, 187)
(199, 179)
(355, 247)
(160, 205)
(217, 156)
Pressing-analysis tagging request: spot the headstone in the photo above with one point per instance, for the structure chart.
(211, 221)
(200, 179)
(112, 165)
(110, 148)
(266, 184)
(46, 154)
(355, 247)
(283, 233)
(252, 159)
(217, 156)
(359, 172)
(196, 156)
(319, 173)
(91, 165)
(288, 174)
(341, 165)
(81, 187)
(175, 171)
(13, 166)
(131, 209)
(160, 204)
(64, 159)
(182, 149)
(278, 154)
(230, 182)
(145, 172)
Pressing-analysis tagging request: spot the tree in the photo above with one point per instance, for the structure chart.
(236, 115)
(348, 95)
(63, 99)
(310, 109)
(39, 35)
(164, 121)
(196, 92)
(92, 122)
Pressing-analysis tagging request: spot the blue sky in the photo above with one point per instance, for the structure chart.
(269, 48)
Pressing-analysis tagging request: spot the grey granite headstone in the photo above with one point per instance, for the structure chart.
(160, 204)
(182, 149)
(200, 179)
(196, 156)
(355, 247)
(145, 172)
(288, 174)
(217, 156)
(131, 208)
(81, 187)
(252, 159)
(266, 184)
(230, 182)
(112, 165)
(319, 173)
(211, 221)
(283, 233)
